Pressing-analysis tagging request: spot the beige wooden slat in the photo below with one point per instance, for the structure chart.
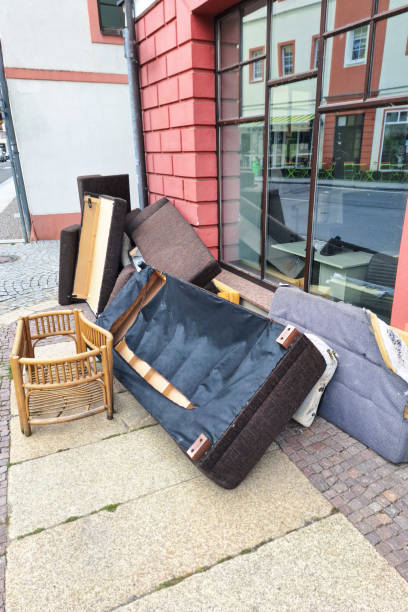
(86, 247)
(151, 376)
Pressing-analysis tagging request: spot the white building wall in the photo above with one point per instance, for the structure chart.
(68, 129)
(64, 129)
(54, 35)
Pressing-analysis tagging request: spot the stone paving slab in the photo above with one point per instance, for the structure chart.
(130, 412)
(10, 316)
(325, 566)
(102, 560)
(49, 490)
(49, 439)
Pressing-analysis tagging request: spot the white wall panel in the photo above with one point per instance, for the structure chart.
(68, 129)
(54, 35)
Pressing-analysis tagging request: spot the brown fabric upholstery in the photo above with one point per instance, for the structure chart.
(167, 242)
(69, 241)
(264, 417)
(121, 281)
(115, 186)
(136, 217)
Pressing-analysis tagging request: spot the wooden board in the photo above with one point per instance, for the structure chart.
(151, 376)
(86, 247)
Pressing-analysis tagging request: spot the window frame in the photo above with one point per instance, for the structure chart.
(281, 62)
(363, 102)
(259, 62)
(350, 39)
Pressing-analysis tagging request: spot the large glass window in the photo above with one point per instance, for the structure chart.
(314, 169)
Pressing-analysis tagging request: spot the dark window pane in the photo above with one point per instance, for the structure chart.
(390, 61)
(241, 194)
(229, 39)
(110, 16)
(360, 206)
(253, 27)
(229, 94)
(291, 117)
(292, 37)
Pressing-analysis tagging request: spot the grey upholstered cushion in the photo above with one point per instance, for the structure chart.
(364, 398)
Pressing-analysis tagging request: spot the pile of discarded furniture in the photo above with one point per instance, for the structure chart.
(221, 380)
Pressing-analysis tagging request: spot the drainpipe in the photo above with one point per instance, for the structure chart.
(14, 154)
(135, 104)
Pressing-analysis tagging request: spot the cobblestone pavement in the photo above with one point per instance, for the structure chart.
(371, 492)
(32, 278)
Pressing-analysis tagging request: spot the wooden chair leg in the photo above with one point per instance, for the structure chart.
(18, 385)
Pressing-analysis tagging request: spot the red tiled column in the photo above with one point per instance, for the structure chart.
(176, 50)
(399, 316)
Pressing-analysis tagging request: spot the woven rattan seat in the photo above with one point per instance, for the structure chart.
(64, 389)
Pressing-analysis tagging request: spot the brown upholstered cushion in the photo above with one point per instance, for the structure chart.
(167, 242)
(121, 281)
(115, 186)
(69, 241)
(137, 217)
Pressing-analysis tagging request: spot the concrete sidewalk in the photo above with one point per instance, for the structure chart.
(110, 515)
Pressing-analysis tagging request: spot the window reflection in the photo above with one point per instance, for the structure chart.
(344, 12)
(390, 60)
(241, 194)
(293, 36)
(291, 115)
(360, 207)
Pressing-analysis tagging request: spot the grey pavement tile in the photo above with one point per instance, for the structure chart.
(100, 561)
(326, 566)
(49, 490)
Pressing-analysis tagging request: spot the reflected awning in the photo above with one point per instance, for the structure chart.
(299, 122)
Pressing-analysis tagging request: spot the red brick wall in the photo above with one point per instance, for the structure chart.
(176, 51)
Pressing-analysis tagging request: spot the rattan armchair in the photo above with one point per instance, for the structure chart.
(65, 389)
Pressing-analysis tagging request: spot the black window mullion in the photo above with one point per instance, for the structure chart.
(266, 138)
(217, 39)
(370, 52)
(241, 13)
(315, 149)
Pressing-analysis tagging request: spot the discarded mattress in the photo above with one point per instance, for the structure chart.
(366, 398)
(212, 373)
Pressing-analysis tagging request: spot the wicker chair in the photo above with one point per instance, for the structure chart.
(65, 389)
